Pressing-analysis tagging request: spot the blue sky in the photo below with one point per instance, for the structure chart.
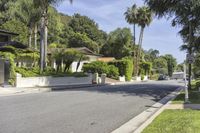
(109, 14)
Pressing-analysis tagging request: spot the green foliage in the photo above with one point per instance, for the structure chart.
(10, 57)
(171, 63)
(145, 68)
(9, 49)
(125, 67)
(142, 77)
(56, 45)
(27, 72)
(101, 67)
(197, 84)
(84, 25)
(81, 40)
(68, 56)
(119, 44)
(175, 121)
(154, 77)
(113, 72)
(196, 66)
(96, 67)
(17, 27)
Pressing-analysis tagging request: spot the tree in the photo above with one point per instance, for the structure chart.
(85, 25)
(144, 19)
(29, 15)
(44, 5)
(151, 55)
(171, 63)
(81, 40)
(119, 44)
(145, 68)
(160, 65)
(185, 14)
(17, 27)
(131, 17)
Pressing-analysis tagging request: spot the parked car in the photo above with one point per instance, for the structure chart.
(162, 77)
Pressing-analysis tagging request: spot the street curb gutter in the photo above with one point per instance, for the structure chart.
(141, 121)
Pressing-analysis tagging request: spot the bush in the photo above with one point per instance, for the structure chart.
(96, 67)
(125, 67)
(197, 84)
(26, 72)
(142, 77)
(100, 67)
(154, 77)
(113, 72)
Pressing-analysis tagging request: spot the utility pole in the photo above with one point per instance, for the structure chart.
(186, 86)
(190, 55)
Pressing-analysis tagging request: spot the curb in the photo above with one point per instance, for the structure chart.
(30, 90)
(141, 121)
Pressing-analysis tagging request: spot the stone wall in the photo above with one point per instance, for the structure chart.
(51, 81)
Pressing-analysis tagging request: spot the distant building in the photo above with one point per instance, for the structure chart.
(5, 36)
(178, 75)
(87, 52)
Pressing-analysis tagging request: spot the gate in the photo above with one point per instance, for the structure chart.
(4, 71)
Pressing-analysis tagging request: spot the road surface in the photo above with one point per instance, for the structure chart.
(89, 110)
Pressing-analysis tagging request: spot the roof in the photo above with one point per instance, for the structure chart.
(7, 33)
(14, 44)
(83, 50)
(106, 59)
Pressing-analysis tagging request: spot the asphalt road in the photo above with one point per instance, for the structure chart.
(89, 110)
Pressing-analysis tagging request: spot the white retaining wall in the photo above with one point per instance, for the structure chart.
(51, 81)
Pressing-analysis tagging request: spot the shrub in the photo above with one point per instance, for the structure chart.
(113, 72)
(26, 72)
(154, 77)
(125, 67)
(142, 77)
(96, 67)
(197, 84)
(100, 67)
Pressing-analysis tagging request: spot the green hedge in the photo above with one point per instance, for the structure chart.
(101, 67)
(125, 67)
(197, 84)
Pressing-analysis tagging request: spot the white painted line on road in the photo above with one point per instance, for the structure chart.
(138, 123)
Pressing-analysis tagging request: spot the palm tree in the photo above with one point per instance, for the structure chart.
(131, 17)
(144, 19)
(27, 14)
(44, 5)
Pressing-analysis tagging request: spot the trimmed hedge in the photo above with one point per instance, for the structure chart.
(101, 67)
(125, 67)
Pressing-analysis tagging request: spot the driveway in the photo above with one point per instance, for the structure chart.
(88, 110)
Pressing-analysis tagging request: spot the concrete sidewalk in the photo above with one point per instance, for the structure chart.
(8, 91)
(183, 106)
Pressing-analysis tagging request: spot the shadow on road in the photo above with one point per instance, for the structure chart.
(156, 91)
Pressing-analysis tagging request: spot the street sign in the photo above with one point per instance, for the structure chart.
(190, 58)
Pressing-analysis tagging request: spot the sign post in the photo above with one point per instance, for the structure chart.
(186, 86)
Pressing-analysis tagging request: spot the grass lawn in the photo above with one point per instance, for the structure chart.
(175, 121)
(194, 96)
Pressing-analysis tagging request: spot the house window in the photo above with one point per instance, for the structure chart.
(3, 38)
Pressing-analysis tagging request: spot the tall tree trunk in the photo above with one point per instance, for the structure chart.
(140, 47)
(42, 32)
(30, 37)
(45, 37)
(35, 36)
(134, 38)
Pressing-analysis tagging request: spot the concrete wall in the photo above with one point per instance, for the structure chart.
(2, 71)
(51, 81)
